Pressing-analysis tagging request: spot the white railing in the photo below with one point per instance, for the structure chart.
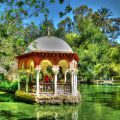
(48, 88)
(63, 88)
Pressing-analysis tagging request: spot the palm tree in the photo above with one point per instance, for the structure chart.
(102, 19)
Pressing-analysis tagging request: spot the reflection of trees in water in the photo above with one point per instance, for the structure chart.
(43, 113)
(57, 112)
(9, 115)
(97, 104)
(23, 111)
(75, 115)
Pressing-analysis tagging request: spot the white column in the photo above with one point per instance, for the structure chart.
(19, 79)
(72, 83)
(65, 77)
(55, 84)
(27, 80)
(73, 67)
(55, 70)
(75, 83)
(112, 79)
(37, 82)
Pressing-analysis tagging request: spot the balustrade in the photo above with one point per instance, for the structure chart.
(48, 88)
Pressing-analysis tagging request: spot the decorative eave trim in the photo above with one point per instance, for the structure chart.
(52, 54)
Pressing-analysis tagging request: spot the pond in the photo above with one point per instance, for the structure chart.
(99, 102)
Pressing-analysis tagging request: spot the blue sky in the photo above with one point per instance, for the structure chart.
(113, 5)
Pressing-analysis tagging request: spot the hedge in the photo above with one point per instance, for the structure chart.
(116, 78)
(25, 97)
(8, 86)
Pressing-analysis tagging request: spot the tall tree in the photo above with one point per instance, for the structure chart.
(110, 26)
(82, 11)
(47, 26)
(11, 44)
(66, 24)
(101, 18)
(32, 32)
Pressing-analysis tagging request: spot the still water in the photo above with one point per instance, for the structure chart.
(99, 102)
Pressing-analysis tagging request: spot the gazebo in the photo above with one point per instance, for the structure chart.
(48, 66)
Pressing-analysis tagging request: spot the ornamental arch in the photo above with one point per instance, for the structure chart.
(64, 64)
(21, 65)
(44, 64)
(30, 65)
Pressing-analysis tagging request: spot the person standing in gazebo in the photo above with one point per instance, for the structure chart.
(46, 79)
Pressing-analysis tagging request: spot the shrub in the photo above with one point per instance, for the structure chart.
(25, 97)
(116, 78)
(8, 86)
(2, 77)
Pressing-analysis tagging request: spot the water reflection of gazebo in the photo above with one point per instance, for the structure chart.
(48, 66)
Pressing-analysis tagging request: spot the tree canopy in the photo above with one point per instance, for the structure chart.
(91, 34)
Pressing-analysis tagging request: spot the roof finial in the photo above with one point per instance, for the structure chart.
(48, 31)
